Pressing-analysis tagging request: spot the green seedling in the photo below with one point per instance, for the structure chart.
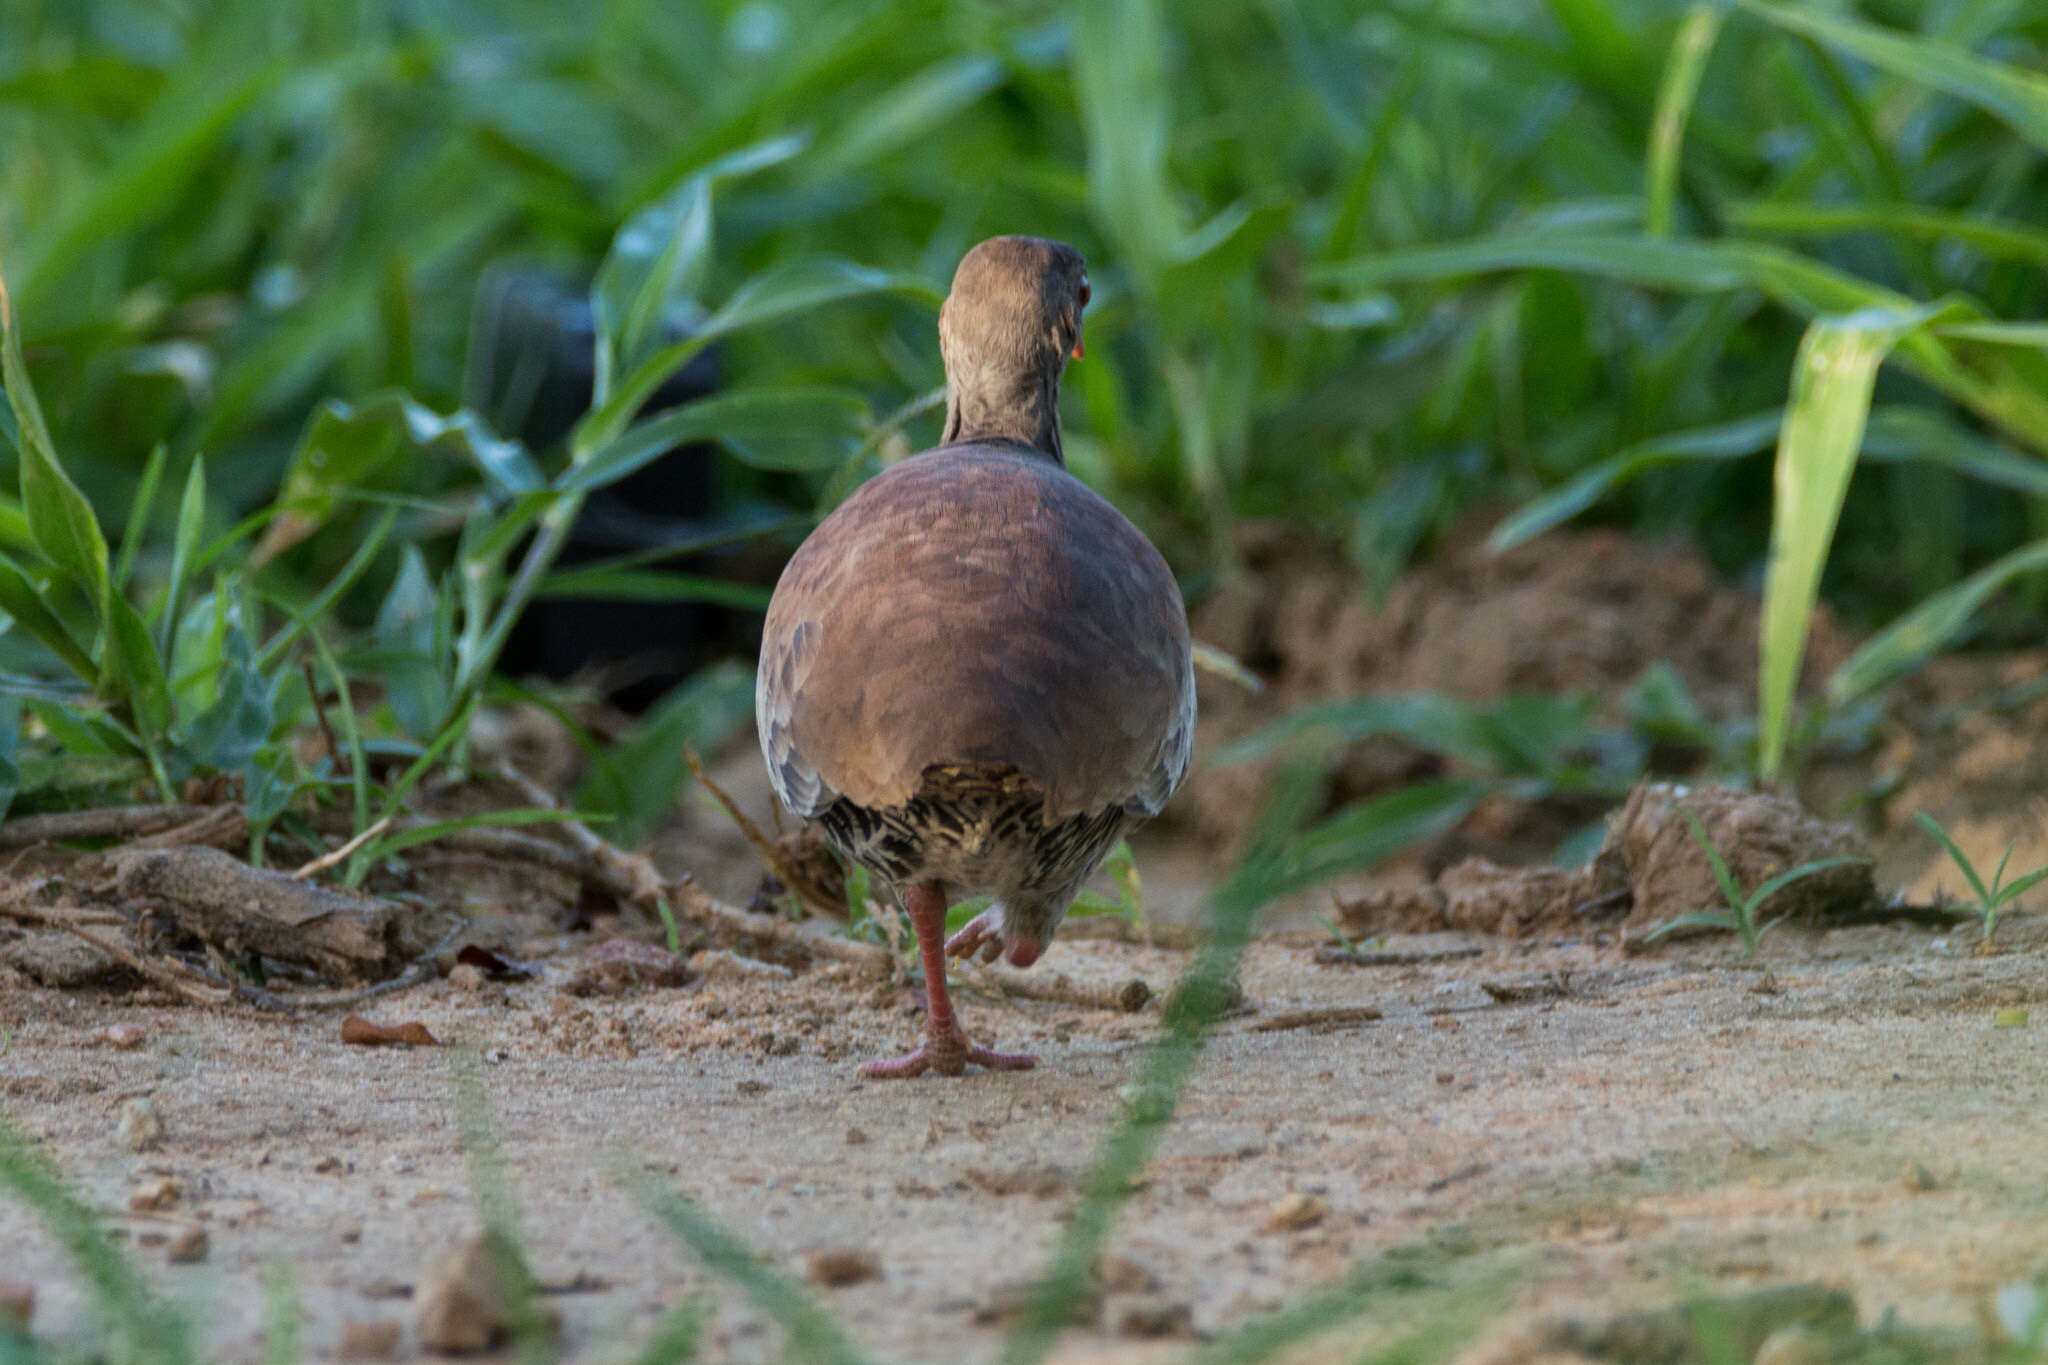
(1743, 911)
(1992, 899)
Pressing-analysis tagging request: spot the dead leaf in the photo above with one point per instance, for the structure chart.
(361, 1032)
(493, 966)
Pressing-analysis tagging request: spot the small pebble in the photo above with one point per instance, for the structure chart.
(17, 1304)
(138, 1128)
(855, 1137)
(836, 1267)
(1151, 1316)
(368, 1340)
(189, 1247)
(1919, 1179)
(155, 1196)
(1444, 1021)
(125, 1037)
(326, 1164)
(1295, 1211)
(463, 1301)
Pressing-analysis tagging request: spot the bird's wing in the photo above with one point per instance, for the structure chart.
(788, 649)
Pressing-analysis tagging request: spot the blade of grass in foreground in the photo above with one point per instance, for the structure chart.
(812, 1335)
(1675, 96)
(146, 1328)
(1831, 386)
(1197, 1001)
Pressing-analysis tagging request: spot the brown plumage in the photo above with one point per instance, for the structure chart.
(975, 673)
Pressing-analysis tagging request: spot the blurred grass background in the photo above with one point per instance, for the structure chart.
(1363, 267)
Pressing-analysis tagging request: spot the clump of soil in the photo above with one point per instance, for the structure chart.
(1650, 870)
(1572, 612)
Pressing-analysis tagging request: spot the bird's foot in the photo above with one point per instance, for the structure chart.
(948, 1053)
(977, 938)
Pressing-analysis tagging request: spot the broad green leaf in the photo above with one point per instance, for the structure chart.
(1676, 92)
(1929, 626)
(346, 447)
(772, 428)
(229, 733)
(417, 680)
(1830, 402)
(2011, 93)
(132, 671)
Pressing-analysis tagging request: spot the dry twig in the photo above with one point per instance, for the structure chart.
(107, 822)
(340, 855)
(785, 871)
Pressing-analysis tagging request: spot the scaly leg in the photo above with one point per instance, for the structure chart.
(945, 1048)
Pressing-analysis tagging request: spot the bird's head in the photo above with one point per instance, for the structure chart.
(1014, 310)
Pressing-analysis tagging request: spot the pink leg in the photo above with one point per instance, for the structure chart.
(945, 1048)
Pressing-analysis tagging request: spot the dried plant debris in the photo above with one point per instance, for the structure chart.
(360, 1032)
(238, 909)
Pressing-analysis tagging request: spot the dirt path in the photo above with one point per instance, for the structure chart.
(1659, 1125)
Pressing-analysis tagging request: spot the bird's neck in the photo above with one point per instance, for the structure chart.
(1014, 407)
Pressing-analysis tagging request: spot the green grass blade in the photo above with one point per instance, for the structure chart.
(1372, 831)
(1830, 402)
(384, 845)
(812, 1334)
(2010, 93)
(1676, 92)
(2020, 885)
(138, 513)
(1697, 919)
(154, 163)
(184, 552)
(151, 1330)
(794, 287)
(1956, 856)
(1739, 439)
(910, 111)
(357, 564)
(1762, 895)
(1689, 266)
(1995, 237)
(1731, 890)
(649, 585)
(799, 427)
(1929, 627)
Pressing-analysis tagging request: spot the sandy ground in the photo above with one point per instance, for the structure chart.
(1662, 1125)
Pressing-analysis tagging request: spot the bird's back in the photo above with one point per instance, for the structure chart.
(976, 604)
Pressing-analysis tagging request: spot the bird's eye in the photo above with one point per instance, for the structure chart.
(1084, 293)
